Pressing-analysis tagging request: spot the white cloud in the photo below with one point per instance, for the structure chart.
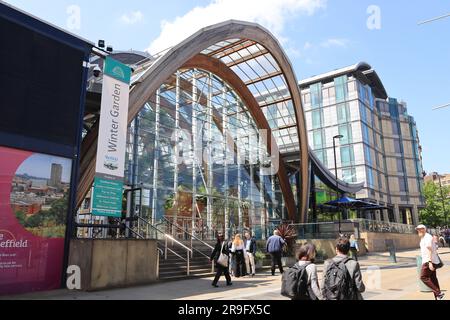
(132, 17)
(307, 46)
(335, 42)
(272, 14)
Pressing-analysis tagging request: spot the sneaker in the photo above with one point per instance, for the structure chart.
(440, 296)
(230, 284)
(215, 285)
(253, 275)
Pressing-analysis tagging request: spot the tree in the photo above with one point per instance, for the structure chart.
(21, 217)
(433, 214)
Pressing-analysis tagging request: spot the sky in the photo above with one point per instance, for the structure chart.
(40, 166)
(318, 36)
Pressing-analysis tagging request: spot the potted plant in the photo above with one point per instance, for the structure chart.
(289, 234)
(259, 259)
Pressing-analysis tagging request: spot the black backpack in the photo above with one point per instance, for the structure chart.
(294, 283)
(338, 285)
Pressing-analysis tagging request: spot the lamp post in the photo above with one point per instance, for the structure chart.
(336, 173)
(442, 198)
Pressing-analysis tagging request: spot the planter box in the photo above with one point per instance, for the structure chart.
(109, 264)
(288, 261)
(259, 265)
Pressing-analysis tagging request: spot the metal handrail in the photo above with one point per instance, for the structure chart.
(175, 254)
(134, 232)
(187, 233)
(166, 247)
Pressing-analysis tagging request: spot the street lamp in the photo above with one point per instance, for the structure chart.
(442, 198)
(336, 173)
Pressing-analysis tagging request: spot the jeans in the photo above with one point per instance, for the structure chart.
(430, 279)
(276, 260)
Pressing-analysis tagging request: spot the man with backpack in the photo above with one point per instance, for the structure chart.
(342, 279)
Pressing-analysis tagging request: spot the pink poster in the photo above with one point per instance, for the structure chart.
(34, 192)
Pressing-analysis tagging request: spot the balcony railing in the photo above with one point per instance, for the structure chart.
(330, 230)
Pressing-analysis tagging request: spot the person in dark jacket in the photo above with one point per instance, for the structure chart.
(221, 248)
(250, 250)
(275, 248)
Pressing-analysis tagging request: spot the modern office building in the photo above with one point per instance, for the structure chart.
(379, 145)
(56, 175)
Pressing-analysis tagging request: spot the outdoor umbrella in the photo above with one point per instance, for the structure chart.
(346, 202)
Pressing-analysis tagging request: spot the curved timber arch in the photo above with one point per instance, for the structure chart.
(243, 34)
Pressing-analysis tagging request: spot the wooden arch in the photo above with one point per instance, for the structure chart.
(178, 56)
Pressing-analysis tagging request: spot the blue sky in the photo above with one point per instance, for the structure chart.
(318, 35)
(40, 166)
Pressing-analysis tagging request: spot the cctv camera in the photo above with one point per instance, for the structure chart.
(97, 71)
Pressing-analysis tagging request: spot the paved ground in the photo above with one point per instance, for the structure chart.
(384, 281)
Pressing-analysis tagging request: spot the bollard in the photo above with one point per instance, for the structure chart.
(422, 286)
(390, 245)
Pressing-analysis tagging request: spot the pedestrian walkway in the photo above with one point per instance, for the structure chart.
(384, 281)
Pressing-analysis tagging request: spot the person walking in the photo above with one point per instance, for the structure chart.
(274, 247)
(430, 262)
(238, 249)
(232, 256)
(306, 256)
(354, 248)
(220, 256)
(250, 250)
(342, 275)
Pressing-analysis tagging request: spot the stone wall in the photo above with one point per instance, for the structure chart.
(376, 242)
(328, 246)
(108, 264)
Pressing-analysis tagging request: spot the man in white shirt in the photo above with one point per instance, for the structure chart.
(429, 261)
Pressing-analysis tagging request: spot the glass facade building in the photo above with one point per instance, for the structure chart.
(380, 144)
(217, 138)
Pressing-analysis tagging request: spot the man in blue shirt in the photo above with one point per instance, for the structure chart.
(275, 247)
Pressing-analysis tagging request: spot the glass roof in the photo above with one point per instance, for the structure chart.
(258, 69)
(263, 76)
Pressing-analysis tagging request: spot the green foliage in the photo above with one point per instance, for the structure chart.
(51, 223)
(289, 234)
(259, 256)
(21, 217)
(433, 214)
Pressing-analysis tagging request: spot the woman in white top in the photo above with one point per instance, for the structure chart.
(238, 248)
(306, 256)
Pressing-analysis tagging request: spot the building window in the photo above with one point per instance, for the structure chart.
(322, 156)
(368, 155)
(318, 139)
(400, 166)
(365, 131)
(343, 113)
(346, 132)
(395, 128)
(316, 95)
(402, 184)
(306, 98)
(317, 119)
(370, 180)
(341, 88)
(347, 156)
(397, 146)
(363, 112)
(349, 175)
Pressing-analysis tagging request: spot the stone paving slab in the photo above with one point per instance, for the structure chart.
(396, 282)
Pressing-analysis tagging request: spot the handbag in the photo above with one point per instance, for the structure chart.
(223, 258)
(440, 264)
